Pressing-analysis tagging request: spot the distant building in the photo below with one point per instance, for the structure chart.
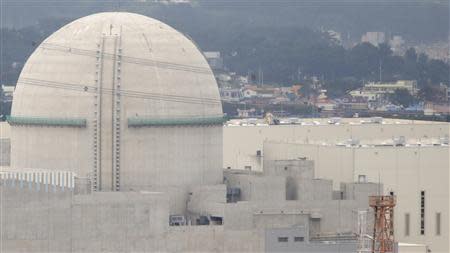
(389, 108)
(437, 51)
(265, 91)
(374, 38)
(214, 59)
(245, 113)
(354, 106)
(7, 93)
(323, 102)
(391, 87)
(397, 45)
(249, 93)
(436, 109)
(326, 105)
(368, 95)
(231, 94)
(373, 91)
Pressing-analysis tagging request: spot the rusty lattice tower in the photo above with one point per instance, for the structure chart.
(383, 229)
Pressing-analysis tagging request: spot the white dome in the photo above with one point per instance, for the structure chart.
(156, 59)
(122, 99)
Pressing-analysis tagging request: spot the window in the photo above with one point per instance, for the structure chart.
(422, 213)
(406, 224)
(248, 167)
(299, 239)
(283, 239)
(438, 223)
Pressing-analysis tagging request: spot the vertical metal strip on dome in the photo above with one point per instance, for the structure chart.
(96, 173)
(116, 113)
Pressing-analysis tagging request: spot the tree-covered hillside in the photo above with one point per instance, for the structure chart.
(415, 20)
(284, 41)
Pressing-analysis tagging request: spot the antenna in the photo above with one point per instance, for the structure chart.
(116, 5)
(379, 183)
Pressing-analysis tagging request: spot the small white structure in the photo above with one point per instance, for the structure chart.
(374, 38)
(214, 59)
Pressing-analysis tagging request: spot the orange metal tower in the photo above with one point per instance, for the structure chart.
(383, 229)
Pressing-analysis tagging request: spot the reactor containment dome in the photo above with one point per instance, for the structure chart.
(123, 100)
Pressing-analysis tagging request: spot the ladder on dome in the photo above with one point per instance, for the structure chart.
(117, 63)
(116, 58)
(96, 172)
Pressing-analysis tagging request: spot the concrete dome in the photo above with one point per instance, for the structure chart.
(122, 99)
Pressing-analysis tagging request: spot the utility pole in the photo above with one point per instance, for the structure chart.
(380, 70)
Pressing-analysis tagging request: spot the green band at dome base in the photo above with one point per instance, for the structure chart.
(193, 121)
(44, 121)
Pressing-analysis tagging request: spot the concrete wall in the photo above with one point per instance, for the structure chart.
(58, 221)
(208, 200)
(258, 188)
(294, 168)
(316, 189)
(5, 152)
(273, 243)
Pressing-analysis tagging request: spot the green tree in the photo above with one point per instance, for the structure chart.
(433, 93)
(402, 97)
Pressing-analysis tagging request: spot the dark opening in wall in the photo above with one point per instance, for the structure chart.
(422, 213)
(299, 239)
(283, 239)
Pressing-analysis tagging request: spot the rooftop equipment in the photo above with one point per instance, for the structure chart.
(177, 220)
(334, 120)
(399, 141)
(376, 120)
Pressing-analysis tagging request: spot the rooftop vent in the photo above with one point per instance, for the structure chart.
(376, 120)
(334, 120)
(399, 141)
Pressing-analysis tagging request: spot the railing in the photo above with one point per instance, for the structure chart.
(44, 121)
(192, 121)
(382, 201)
(39, 180)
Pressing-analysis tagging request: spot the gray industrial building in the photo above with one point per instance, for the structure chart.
(411, 159)
(284, 209)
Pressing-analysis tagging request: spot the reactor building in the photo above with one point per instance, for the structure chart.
(121, 99)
